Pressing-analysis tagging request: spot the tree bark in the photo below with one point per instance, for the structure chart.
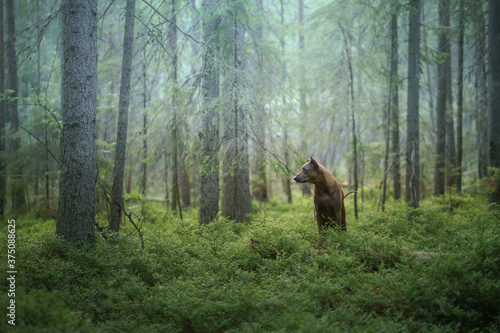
(235, 182)
(259, 181)
(392, 103)
(76, 222)
(412, 121)
(481, 95)
(286, 153)
(144, 133)
(451, 162)
(353, 122)
(494, 96)
(3, 166)
(443, 47)
(460, 96)
(121, 137)
(176, 121)
(396, 172)
(17, 190)
(301, 61)
(429, 68)
(209, 177)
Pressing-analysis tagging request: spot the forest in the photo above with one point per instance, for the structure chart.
(150, 153)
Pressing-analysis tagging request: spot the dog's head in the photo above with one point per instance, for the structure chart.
(308, 171)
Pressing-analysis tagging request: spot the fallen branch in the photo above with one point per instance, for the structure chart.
(128, 215)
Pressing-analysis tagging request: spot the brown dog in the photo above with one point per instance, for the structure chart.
(328, 196)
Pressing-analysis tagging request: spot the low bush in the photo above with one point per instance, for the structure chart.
(265, 275)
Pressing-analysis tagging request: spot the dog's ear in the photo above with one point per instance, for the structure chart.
(313, 161)
(307, 158)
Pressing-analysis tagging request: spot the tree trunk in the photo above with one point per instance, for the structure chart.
(184, 185)
(167, 168)
(353, 121)
(175, 125)
(144, 164)
(259, 181)
(3, 168)
(18, 198)
(451, 162)
(75, 222)
(443, 46)
(235, 182)
(392, 103)
(396, 172)
(412, 138)
(494, 96)
(46, 133)
(429, 68)
(121, 137)
(460, 95)
(302, 82)
(286, 176)
(481, 98)
(209, 177)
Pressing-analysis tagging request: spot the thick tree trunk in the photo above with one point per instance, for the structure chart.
(121, 137)
(443, 46)
(412, 121)
(78, 108)
(17, 185)
(209, 177)
(494, 95)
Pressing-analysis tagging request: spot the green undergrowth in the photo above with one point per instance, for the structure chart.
(265, 275)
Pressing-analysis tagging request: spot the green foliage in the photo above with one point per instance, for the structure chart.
(492, 183)
(266, 276)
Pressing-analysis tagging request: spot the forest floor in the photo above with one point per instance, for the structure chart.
(216, 279)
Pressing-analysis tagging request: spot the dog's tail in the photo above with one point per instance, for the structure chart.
(345, 195)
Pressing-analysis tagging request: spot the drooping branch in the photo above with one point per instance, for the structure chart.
(37, 139)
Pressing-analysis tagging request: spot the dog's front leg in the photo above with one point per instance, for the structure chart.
(320, 221)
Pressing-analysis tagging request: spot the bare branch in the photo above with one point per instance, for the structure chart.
(37, 139)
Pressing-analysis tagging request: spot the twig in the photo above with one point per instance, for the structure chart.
(37, 139)
(128, 215)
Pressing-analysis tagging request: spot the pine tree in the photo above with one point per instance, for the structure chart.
(209, 178)
(412, 123)
(78, 108)
(121, 137)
